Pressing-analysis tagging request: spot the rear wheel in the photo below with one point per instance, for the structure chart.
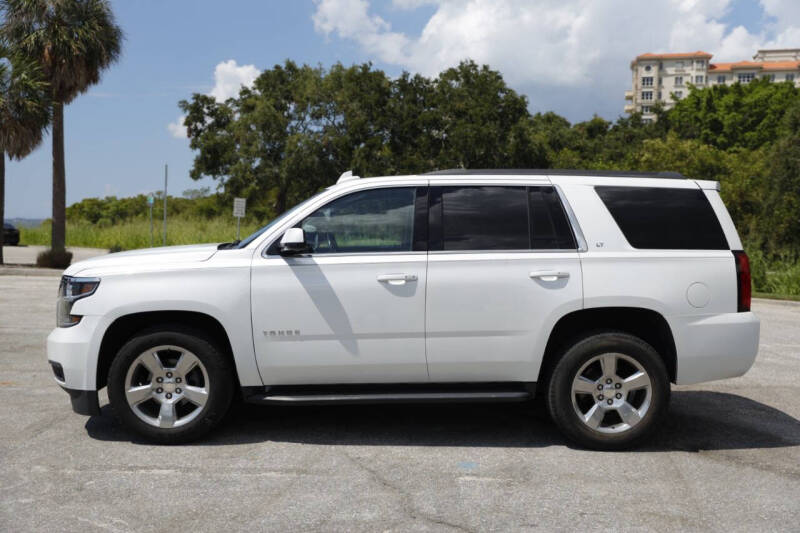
(170, 386)
(608, 391)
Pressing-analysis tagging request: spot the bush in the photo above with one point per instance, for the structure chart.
(54, 259)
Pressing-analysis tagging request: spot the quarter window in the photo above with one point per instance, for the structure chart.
(664, 219)
(377, 220)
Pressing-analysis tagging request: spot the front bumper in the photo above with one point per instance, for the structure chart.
(74, 361)
(715, 346)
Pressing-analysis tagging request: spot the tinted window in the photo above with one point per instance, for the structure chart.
(550, 229)
(484, 218)
(671, 219)
(378, 220)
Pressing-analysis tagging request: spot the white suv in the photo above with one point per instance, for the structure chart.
(593, 290)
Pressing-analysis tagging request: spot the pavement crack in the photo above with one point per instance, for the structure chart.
(406, 500)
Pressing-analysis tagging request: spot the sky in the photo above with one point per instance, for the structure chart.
(568, 56)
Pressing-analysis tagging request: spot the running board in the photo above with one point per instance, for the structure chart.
(330, 395)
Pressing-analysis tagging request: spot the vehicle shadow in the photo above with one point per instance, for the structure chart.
(698, 420)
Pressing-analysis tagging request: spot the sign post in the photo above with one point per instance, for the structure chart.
(238, 212)
(150, 202)
(165, 205)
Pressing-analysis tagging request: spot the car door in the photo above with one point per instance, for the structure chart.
(502, 268)
(352, 310)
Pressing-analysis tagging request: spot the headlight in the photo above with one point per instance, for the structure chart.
(69, 290)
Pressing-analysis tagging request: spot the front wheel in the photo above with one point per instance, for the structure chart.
(608, 391)
(170, 385)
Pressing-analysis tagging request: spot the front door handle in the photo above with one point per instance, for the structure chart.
(396, 279)
(548, 275)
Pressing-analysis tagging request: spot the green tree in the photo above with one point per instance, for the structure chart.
(23, 113)
(73, 41)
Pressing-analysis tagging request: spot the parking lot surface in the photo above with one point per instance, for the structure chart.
(727, 459)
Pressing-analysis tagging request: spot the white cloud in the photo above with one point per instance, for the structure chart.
(229, 78)
(570, 52)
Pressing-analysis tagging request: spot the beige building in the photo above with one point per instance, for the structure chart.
(660, 77)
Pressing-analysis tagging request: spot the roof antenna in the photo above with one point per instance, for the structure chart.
(347, 176)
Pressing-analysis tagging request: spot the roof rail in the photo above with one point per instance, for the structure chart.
(347, 176)
(555, 172)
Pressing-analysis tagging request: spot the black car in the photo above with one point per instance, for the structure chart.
(10, 235)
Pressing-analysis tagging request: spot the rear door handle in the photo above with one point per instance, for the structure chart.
(396, 279)
(548, 275)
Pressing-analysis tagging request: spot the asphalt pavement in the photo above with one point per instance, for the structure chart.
(727, 458)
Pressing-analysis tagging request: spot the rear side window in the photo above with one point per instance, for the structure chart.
(664, 219)
(497, 218)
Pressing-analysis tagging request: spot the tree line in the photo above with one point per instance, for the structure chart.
(298, 127)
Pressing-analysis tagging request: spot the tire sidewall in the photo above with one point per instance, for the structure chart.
(560, 390)
(219, 375)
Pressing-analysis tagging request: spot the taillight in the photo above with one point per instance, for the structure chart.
(743, 289)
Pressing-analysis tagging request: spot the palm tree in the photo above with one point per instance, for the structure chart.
(24, 113)
(73, 41)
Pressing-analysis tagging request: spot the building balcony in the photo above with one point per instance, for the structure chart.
(630, 108)
(628, 95)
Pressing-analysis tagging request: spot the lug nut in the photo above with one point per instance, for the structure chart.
(169, 396)
(609, 401)
(607, 381)
(159, 380)
(619, 396)
(618, 385)
(178, 390)
(169, 374)
(600, 387)
(601, 397)
(159, 390)
(177, 380)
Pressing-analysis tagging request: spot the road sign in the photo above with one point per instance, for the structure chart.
(150, 200)
(238, 206)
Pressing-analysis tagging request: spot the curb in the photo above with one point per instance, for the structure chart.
(16, 270)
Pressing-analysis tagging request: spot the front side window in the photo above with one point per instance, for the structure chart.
(489, 217)
(377, 220)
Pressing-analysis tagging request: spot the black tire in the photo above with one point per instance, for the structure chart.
(560, 397)
(220, 389)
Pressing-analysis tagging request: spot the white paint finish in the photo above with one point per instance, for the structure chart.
(714, 347)
(218, 287)
(659, 280)
(488, 320)
(353, 327)
(488, 317)
(725, 220)
(698, 295)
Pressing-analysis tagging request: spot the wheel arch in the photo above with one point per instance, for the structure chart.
(125, 327)
(649, 325)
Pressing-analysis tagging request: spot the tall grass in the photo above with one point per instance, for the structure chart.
(776, 276)
(135, 233)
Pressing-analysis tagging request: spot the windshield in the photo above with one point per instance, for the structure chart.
(250, 238)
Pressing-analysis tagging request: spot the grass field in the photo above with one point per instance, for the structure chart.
(778, 277)
(136, 233)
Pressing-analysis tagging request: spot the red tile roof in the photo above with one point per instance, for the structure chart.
(674, 55)
(754, 65)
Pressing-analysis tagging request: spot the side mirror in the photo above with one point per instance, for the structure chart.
(293, 242)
